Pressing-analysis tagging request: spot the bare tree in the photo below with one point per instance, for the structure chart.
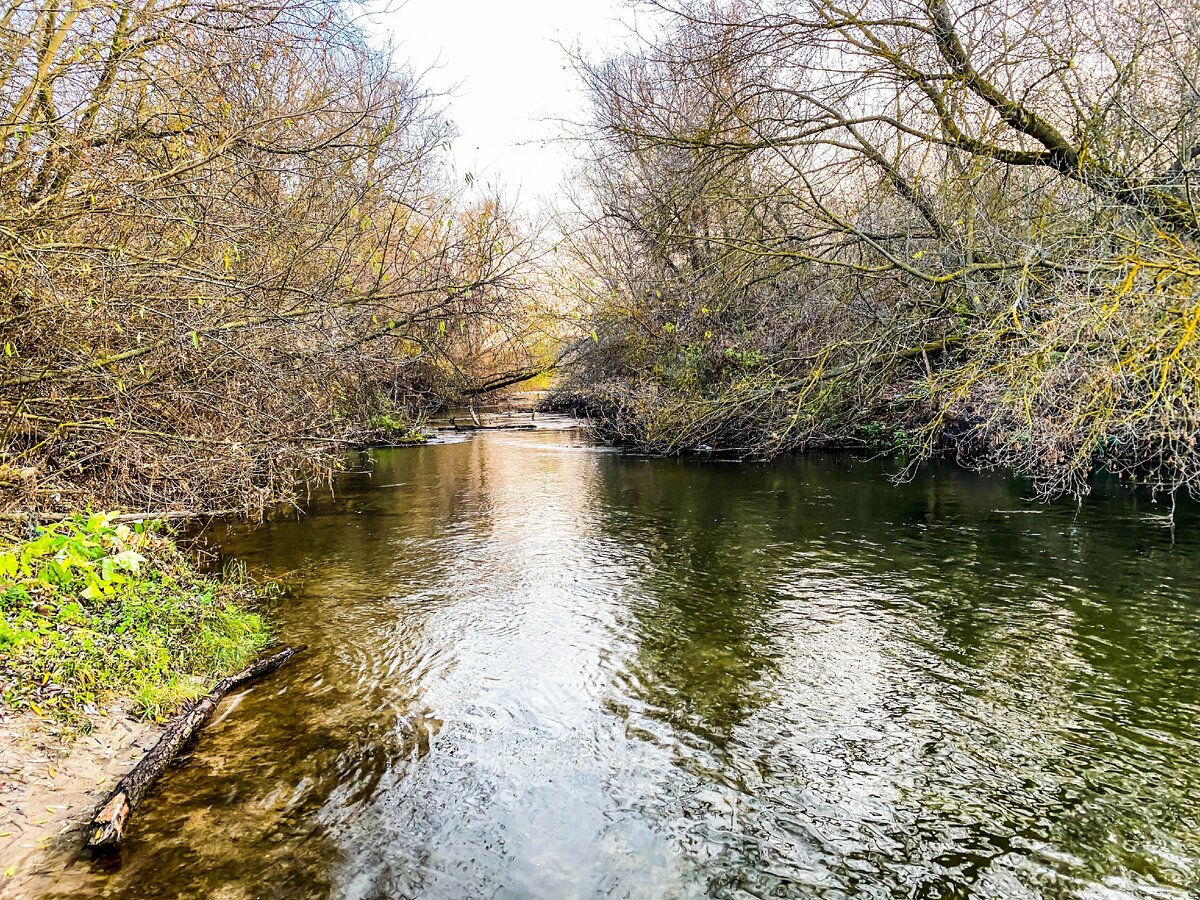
(226, 238)
(971, 228)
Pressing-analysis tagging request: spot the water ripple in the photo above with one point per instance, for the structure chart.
(539, 670)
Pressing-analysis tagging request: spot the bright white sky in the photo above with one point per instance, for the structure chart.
(505, 67)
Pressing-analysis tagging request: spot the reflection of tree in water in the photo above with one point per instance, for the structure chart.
(1029, 719)
(390, 525)
(1072, 663)
(1049, 666)
(1069, 668)
(701, 614)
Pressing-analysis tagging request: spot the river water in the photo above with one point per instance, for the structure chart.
(537, 668)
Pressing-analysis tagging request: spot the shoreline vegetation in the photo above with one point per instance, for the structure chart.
(944, 228)
(233, 246)
(107, 629)
(92, 610)
(793, 228)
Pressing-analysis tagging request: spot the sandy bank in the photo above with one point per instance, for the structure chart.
(50, 783)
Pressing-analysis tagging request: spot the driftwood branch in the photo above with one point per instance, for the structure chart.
(462, 426)
(502, 380)
(108, 825)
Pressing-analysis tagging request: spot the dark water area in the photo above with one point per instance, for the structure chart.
(541, 669)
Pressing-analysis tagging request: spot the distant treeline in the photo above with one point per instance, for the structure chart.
(966, 227)
(227, 244)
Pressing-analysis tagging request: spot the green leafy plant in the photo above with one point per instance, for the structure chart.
(92, 609)
(93, 551)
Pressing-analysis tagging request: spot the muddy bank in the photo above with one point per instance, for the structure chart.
(50, 783)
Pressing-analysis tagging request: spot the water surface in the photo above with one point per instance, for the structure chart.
(540, 669)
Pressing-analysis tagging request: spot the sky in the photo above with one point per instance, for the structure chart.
(506, 70)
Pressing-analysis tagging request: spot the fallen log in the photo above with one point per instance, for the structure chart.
(108, 825)
(524, 427)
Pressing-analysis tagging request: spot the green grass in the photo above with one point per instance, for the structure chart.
(91, 611)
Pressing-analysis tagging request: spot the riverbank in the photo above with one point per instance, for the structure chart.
(106, 629)
(51, 780)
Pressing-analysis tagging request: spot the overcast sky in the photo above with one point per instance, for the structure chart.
(507, 73)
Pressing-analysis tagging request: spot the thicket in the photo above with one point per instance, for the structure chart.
(949, 227)
(228, 246)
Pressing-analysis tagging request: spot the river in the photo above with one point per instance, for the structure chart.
(539, 668)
